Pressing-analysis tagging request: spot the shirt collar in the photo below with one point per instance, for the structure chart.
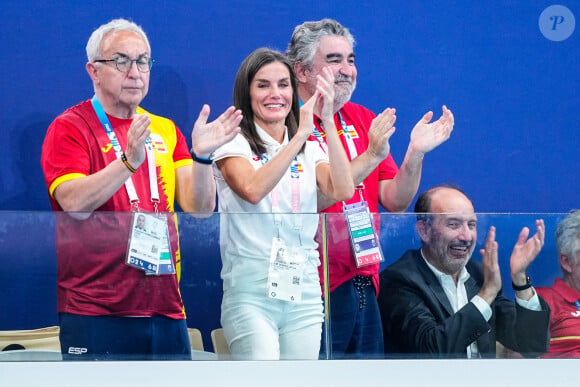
(268, 140)
(566, 291)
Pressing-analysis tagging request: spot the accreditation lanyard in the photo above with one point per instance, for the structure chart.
(364, 240)
(295, 169)
(286, 261)
(130, 187)
(149, 248)
(344, 131)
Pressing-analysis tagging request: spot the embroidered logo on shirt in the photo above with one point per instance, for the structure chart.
(263, 158)
(295, 170)
(107, 148)
(352, 131)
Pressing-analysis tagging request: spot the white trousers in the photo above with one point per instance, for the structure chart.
(261, 328)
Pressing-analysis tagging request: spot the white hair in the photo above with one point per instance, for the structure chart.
(94, 44)
(568, 236)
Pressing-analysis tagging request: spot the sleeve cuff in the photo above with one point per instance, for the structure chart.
(532, 304)
(483, 307)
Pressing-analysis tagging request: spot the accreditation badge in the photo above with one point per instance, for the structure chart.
(146, 243)
(285, 271)
(165, 260)
(364, 240)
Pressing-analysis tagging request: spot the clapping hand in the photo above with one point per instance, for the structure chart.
(380, 132)
(526, 250)
(491, 273)
(428, 135)
(136, 136)
(207, 137)
(324, 103)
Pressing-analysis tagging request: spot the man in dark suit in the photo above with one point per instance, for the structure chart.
(436, 302)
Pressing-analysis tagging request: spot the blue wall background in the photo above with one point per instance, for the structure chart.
(513, 92)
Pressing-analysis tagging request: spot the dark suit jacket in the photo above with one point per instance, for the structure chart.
(418, 319)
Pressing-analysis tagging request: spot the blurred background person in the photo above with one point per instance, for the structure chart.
(564, 295)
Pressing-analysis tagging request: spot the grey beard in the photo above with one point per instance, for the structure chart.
(340, 98)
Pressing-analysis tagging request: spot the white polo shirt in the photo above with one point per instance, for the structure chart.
(247, 230)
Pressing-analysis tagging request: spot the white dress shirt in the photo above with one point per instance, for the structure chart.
(457, 296)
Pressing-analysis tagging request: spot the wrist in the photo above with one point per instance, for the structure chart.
(415, 153)
(489, 293)
(327, 120)
(487, 296)
(518, 284)
(199, 159)
(373, 156)
(128, 164)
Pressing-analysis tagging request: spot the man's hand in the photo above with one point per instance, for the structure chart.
(427, 136)
(207, 137)
(380, 132)
(136, 135)
(320, 103)
(324, 104)
(491, 273)
(525, 251)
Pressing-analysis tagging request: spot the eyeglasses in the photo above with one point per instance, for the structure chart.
(124, 63)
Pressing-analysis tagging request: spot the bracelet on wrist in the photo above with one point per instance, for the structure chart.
(129, 166)
(201, 160)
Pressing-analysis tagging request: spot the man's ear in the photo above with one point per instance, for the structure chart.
(565, 263)
(92, 71)
(423, 230)
(301, 72)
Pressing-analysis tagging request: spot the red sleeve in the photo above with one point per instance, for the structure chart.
(388, 168)
(64, 151)
(181, 151)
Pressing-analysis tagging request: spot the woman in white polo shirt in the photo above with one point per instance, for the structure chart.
(267, 179)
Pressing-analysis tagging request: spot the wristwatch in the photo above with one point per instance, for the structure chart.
(527, 285)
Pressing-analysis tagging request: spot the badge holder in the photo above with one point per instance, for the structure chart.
(149, 248)
(149, 244)
(364, 241)
(165, 262)
(285, 272)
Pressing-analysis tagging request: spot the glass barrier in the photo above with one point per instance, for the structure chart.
(414, 308)
(29, 242)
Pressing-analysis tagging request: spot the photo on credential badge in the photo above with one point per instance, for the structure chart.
(140, 223)
(282, 256)
(147, 242)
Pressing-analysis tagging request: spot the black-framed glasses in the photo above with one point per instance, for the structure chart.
(124, 63)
